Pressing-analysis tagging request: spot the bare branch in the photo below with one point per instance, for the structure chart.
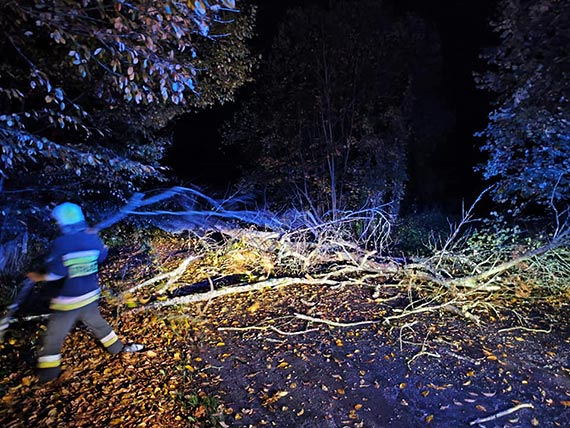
(503, 413)
(172, 277)
(335, 323)
(270, 283)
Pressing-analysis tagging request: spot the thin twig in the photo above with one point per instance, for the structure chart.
(503, 413)
(269, 327)
(251, 327)
(534, 330)
(407, 325)
(421, 353)
(203, 310)
(475, 362)
(335, 323)
(466, 218)
(419, 310)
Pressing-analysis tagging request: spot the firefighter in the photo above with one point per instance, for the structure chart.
(74, 258)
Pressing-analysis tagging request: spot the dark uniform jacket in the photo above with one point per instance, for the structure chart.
(76, 256)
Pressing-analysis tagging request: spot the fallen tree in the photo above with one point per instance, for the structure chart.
(262, 257)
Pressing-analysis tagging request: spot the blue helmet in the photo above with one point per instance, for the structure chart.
(67, 213)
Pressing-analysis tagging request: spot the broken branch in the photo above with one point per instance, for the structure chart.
(471, 281)
(172, 276)
(503, 413)
(334, 323)
(270, 327)
(270, 283)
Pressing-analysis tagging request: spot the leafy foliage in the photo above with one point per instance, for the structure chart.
(418, 232)
(335, 108)
(494, 241)
(86, 87)
(528, 135)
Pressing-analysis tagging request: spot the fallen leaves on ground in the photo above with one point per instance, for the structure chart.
(440, 372)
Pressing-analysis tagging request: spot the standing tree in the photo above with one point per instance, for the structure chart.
(86, 87)
(528, 135)
(334, 110)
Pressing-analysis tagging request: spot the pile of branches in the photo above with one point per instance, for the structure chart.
(473, 266)
(480, 262)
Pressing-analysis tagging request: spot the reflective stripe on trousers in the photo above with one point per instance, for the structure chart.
(59, 326)
(48, 361)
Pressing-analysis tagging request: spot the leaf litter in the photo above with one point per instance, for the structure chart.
(251, 360)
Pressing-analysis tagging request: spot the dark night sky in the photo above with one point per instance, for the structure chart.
(464, 31)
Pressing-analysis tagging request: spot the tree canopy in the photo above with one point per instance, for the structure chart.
(336, 106)
(528, 134)
(87, 87)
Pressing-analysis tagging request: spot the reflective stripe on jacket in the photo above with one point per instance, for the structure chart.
(76, 257)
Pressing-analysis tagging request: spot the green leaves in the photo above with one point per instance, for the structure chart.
(86, 87)
(527, 134)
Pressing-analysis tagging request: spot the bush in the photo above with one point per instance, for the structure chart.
(418, 233)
